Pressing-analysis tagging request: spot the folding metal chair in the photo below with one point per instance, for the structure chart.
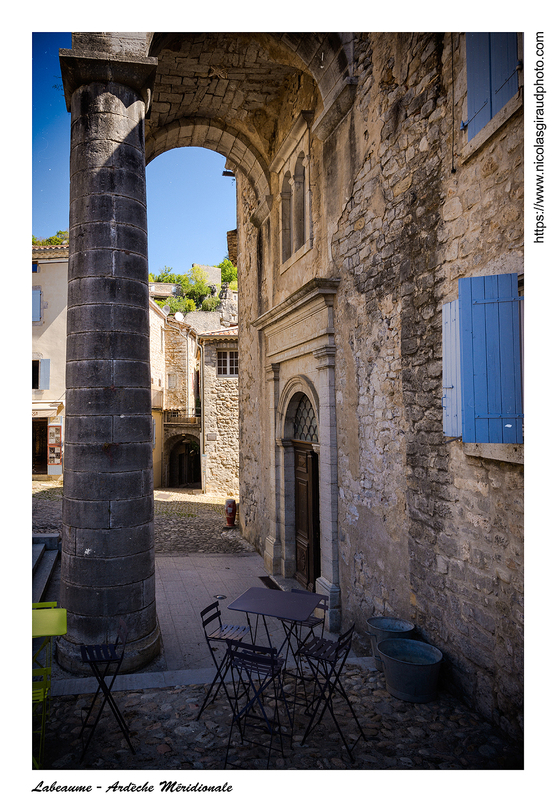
(100, 658)
(326, 659)
(217, 632)
(41, 701)
(302, 630)
(257, 691)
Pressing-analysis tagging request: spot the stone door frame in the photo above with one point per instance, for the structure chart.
(300, 359)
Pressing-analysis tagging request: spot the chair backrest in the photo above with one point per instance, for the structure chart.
(210, 614)
(41, 683)
(343, 644)
(251, 656)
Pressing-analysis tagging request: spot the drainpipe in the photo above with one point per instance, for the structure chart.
(202, 399)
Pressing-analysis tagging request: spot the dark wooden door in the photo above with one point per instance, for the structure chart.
(40, 426)
(307, 534)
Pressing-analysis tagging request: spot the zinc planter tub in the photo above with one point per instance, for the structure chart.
(382, 628)
(411, 669)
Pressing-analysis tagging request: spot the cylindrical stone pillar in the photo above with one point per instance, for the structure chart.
(107, 568)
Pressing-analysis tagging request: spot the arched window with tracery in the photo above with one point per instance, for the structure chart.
(298, 206)
(305, 426)
(286, 217)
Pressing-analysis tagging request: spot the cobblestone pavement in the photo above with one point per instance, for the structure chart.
(442, 734)
(438, 735)
(184, 521)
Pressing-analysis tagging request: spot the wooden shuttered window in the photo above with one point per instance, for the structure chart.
(44, 374)
(36, 306)
(488, 390)
(451, 379)
(492, 76)
(41, 374)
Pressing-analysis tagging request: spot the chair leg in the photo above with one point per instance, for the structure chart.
(253, 689)
(106, 697)
(221, 671)
(330, 683)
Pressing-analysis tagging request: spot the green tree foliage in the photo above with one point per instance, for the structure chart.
(184, 305)
(228, 271)
(194, 285)
(195, 289)
(60, 238)
(210, 304)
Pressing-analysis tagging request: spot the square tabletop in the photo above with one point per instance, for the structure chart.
(277, 603)
(49, 621)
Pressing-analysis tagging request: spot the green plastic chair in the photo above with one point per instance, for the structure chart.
(41, 700)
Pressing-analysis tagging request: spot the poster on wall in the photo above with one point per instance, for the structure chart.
(54, 445)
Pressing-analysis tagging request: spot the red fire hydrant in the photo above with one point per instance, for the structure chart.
(230, 508)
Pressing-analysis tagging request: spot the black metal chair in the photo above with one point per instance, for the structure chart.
(100, 658)
(217, 632)
(327, 659)
(304, 629)
(257, 693)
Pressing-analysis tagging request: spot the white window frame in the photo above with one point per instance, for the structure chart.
(226, 365)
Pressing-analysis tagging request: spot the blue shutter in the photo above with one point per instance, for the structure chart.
(492, 78)
(36, 309)
(490, 347)
(44, 374)
(503, 59)
(451, 381)
(478, 82)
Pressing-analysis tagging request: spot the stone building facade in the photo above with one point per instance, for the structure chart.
(220, 411)
(49, 289)
(372, 194)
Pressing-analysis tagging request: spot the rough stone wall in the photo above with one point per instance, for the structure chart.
(428, 530)
(181, 361)
(220, 413)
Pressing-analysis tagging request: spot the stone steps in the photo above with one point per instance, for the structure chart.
(46, 552)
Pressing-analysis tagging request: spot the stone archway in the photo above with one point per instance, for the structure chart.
(132, 96)
(184, 462)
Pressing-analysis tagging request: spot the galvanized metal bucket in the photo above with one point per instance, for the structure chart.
(382, 628)
(411, 669)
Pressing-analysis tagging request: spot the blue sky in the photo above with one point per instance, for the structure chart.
(191, 205)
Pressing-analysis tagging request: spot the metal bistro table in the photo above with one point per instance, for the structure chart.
(48, 622)
(290, 608)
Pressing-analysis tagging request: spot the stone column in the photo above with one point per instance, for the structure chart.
(108, 511)
(329, 581)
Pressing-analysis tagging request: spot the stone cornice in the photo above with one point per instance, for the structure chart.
(137, 74)
(324, 288)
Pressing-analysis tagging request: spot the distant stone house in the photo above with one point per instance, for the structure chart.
(49, 315)
(200, 442)
(220, 410)
(188, 406)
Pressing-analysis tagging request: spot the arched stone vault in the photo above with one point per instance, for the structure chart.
(226, 92)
